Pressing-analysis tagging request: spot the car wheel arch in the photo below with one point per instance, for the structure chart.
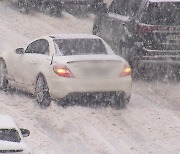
(2, 60)
(38, 75)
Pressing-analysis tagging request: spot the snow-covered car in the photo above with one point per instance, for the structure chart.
(11, 137)
(69, 67)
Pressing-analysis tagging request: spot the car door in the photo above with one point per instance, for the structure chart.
(29, 62)
(112, 24)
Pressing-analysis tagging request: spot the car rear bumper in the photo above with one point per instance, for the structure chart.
(159, 58)
(61, 87)
(96, 97)
(158, 63)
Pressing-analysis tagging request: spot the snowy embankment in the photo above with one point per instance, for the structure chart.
(149, 124)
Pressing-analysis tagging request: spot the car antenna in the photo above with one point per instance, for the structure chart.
(52, 59)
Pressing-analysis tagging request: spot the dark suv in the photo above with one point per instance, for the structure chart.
(145, 32)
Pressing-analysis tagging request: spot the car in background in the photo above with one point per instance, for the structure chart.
(52, 7)
(69, 67)
(145, 32)
(55, 7)
(11, 137)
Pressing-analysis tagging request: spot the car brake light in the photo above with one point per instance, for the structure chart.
(62, 71)
(146, 28)
(126, 71)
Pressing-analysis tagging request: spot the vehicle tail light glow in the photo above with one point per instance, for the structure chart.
(126, 71)
(62, 71)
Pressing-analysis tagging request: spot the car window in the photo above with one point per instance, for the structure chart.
(9, 135)
(80, 46)
(162, 13)
(39, 46)
(125, 7)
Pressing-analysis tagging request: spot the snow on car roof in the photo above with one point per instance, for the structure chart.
(164, 0)
(6, 122)
(74, 36)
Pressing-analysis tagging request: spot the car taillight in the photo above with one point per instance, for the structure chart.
(146, 28)
(62, 71)
(126, 71)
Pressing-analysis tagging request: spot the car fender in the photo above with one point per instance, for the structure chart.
(45, 69)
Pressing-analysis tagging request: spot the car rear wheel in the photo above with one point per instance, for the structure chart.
(120, 101)
(3, 76)
(42, 91)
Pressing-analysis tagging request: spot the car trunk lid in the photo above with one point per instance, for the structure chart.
(160, 40)
(94, 66)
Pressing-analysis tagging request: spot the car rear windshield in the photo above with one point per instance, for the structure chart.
(164, 13)
(79, 47)
(11, 135)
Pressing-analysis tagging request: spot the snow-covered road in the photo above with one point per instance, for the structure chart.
(149, 124)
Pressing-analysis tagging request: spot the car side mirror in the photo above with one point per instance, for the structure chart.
(25, 132)
(20, 50)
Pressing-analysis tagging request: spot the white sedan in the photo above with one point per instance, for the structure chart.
(11, 137)
(69, 67)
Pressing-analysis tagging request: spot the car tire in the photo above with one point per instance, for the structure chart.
(3, 76)
(120, 101)
(42, 91)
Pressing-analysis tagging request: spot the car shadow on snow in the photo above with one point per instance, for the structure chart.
(89, 103)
